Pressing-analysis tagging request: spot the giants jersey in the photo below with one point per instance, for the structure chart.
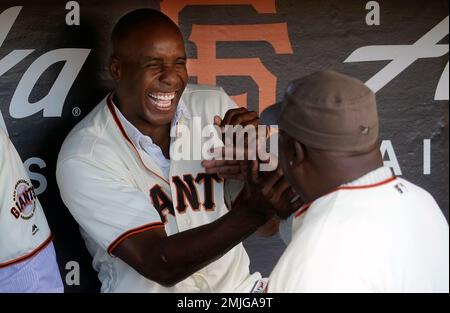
(24, 231)
(377, 234)
(114, 190)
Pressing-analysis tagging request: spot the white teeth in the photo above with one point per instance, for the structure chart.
(163, 101)
(163, 96)
(161, 105)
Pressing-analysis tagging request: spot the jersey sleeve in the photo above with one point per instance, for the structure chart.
(39, 274)
(24, 231)
(106, 206)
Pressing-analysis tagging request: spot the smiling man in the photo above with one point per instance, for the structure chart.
(153, 223)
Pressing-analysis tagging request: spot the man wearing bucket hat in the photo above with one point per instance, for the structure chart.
(362, 229)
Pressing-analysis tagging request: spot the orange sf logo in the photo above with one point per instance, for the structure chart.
(207, 67)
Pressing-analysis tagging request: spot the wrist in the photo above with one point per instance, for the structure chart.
(250, 209)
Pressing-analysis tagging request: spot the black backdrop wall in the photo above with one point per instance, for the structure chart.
(54, 71)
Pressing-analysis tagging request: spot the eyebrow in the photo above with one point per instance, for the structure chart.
(149, 59)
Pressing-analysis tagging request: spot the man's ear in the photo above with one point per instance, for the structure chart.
(299, 153)
(115, 68)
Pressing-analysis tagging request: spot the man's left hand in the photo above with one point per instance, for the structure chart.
(233, 169)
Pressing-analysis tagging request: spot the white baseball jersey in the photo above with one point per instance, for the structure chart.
(376, 234)
(24, 231)
(114, 190)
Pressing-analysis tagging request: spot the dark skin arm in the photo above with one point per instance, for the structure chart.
(272, 188)
(169, 260)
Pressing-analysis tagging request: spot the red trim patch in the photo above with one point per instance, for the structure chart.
(368, 186)
(302, 210)
(384, 182)
(29, 255)
(132, 232)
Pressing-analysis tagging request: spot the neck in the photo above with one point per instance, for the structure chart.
(336, 169)
(160, 134)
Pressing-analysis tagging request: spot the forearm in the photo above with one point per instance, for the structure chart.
(185, 253)
(269, 229)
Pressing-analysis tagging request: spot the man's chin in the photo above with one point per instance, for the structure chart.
(157, 119)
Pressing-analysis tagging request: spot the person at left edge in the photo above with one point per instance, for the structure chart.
(27, 255)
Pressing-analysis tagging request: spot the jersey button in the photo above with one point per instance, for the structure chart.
(188, 221)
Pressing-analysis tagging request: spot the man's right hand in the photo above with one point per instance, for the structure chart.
(270, 192)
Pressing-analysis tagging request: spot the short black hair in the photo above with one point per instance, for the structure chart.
(136, 18)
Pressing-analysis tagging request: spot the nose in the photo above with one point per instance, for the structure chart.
(169, 75)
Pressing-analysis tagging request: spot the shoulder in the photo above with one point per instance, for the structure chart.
(95, 142)
(9, 157)
(5, 143)
(199, 90)
(415, 190)
(3, 137)
(418, 204)
(87, 135)
(201, 99)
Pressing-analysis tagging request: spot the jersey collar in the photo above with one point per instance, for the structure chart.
(134, 133)
(155, 168)
(144, 142)
(381, 176)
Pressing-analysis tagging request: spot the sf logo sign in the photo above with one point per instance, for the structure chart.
(52, 104)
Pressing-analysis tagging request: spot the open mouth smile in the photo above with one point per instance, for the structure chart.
(162, 101)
